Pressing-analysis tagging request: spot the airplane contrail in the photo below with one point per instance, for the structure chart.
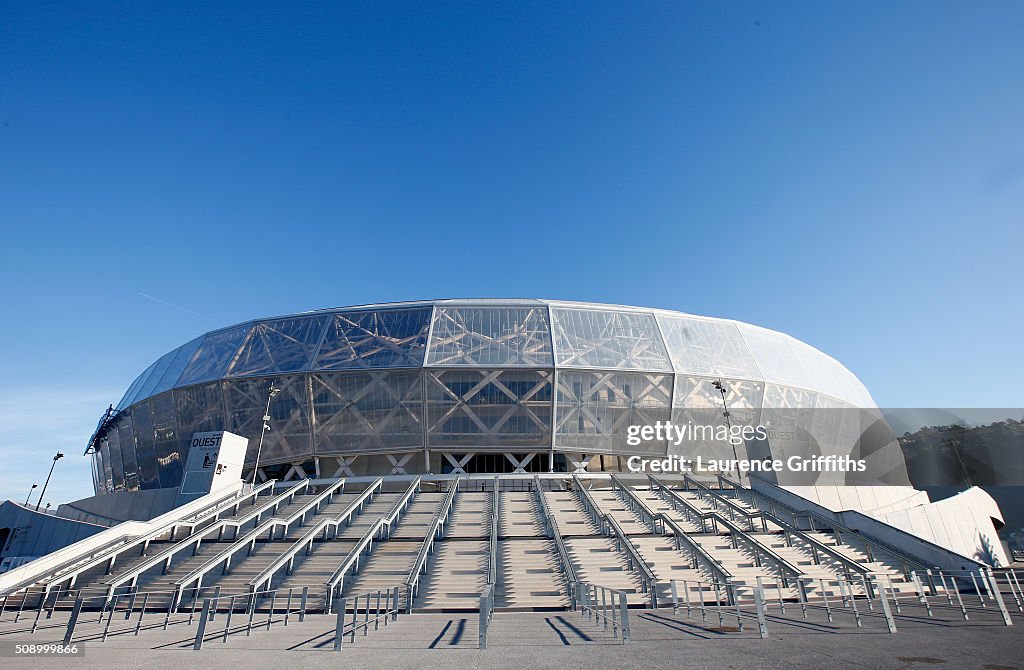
(171, 304)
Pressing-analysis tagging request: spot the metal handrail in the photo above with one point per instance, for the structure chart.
(648, 580)
(427, 546)
(306, 541)
(688, 508)
(837, 527)
(556, 535)
(195, 539)
(734, 508)
(249, 540)
(737, 532)
(634, 555)
(70, 569)
(492, 559)
(389, 612)
(255, 493)
(696, 550)
(603, 609)
(647, 515)
(589, 503)
(486, 614)
(366, 543)
(816, 544)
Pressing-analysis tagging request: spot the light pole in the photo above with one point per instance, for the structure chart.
(725, 412)
(52, 465)
(266, 426)
(34, 487)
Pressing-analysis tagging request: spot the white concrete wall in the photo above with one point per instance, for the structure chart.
(962, 523)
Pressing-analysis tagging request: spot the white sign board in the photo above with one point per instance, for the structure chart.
(214, 461)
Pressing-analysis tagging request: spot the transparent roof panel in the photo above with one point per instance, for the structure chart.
(133, 390)
(777, 357)
(284, 345)
(713, 348)
(158, 370)
(177, 360)
(487, 336)
(605, 339)
(380, 339)
(213, 356)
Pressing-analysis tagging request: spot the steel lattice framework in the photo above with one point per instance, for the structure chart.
(413, 387)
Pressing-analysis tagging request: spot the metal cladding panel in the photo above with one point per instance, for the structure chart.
(364, 411)
(490, 337)
(710, 348)
(590, 338)
(395, 338)
(214, 355)
(282, 345)
(289, 440)
(488, 408)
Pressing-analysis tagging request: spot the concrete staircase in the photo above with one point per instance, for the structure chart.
(456, 576)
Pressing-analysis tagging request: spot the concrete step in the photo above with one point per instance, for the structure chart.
(530, 576)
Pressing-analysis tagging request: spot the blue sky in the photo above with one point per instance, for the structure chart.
(849, 173)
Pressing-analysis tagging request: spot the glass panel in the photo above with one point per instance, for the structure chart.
(711, 348)
(697, 402)
(214, 355)
(199, 410)
(116, 462)
(106, 472)
(126, 438)
(179, 358)
(385, 339)
(285, 345)
(145, 446)
(601, 339)
(165, 438)
(288, 439)
(133, 391)
(777, 357)
(158, 370)
(489, 408)
(595, 410)
(367, 411)
(486, 336)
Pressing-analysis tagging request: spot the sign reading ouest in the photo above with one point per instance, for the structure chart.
(214, 461)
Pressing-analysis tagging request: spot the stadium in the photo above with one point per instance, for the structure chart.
(474, 386)
(466, 473)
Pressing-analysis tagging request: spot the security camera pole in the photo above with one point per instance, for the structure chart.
(52, 465)
(266, 426)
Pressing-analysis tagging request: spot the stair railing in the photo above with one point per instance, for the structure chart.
(492, 559)
(434, 533)
(379, 530)
(223, 558)
(324, 527)
(870, 544)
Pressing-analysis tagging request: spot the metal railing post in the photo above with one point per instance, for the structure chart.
(624, 615)
(339, 624)
(762, 626)
(201, 629)
(73, 621)
(986, 574)
(885, 608)
(302, 603)
(482, 643)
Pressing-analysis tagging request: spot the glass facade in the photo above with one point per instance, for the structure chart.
(460, 377)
